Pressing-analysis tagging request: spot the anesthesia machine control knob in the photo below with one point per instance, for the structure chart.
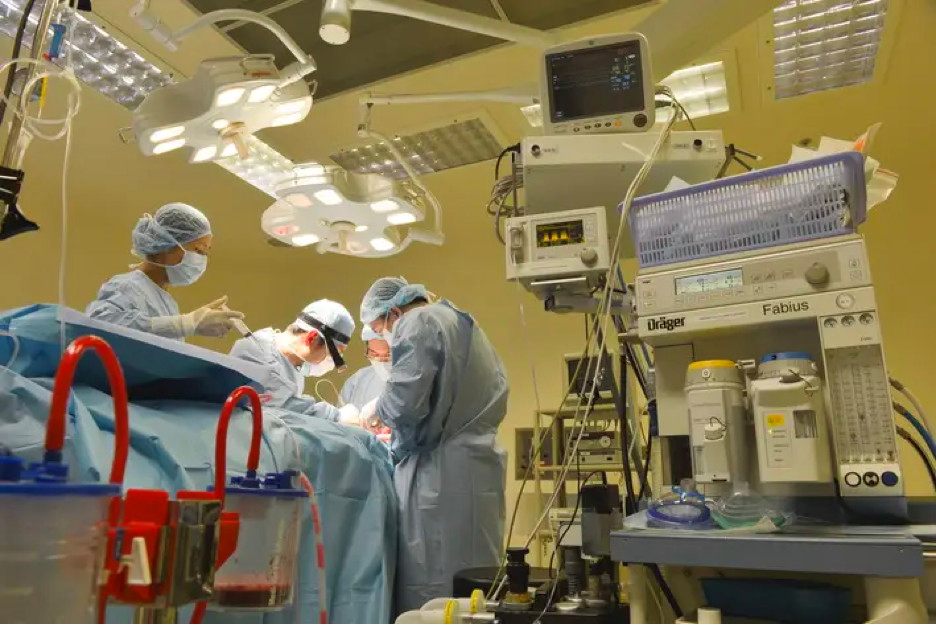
(589, 256)
(817, 274)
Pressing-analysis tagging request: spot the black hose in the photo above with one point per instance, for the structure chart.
(17, 48)
(665, 589)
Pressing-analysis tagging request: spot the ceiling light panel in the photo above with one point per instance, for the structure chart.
(825, 44)
(434, 150)
(702, 90)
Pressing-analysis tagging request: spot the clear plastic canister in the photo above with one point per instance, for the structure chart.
(261, 573)
(52, 545)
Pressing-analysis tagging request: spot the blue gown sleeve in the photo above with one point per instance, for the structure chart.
(418, 358)
(113, 305)
(306, 405)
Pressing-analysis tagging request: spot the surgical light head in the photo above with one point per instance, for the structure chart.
(364, 215)
(213, 112)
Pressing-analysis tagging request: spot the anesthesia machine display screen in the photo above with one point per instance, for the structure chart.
(562, 233)
(724, 280)
(595, 82)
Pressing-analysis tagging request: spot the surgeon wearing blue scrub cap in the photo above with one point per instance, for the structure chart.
(173, 246)
(444, 400)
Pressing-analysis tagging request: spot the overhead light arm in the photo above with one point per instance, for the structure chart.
(512, 95)
(304, 65)
(336, 21)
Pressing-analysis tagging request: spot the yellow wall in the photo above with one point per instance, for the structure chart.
(111, 184)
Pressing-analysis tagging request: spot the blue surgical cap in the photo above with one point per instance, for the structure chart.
(369, 335)
(330, 314)
(387, 293)
(174, 224)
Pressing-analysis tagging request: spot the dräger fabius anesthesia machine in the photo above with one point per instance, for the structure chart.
(772, 396)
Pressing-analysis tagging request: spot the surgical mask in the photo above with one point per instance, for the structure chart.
(387, 332)
(381, 369)
(319, 369)
(188, 270)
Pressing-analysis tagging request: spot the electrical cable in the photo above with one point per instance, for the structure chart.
(333, 387)
(601, 318)
(922, 453)
(913, 399)
(920, 428)
(552, 557)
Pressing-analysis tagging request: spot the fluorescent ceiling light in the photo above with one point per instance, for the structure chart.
(220, 124)
(328, 197)
(533, 114)
(702, 89)
(819, 44)
(434, 150)
(229, 150)
(361, 228)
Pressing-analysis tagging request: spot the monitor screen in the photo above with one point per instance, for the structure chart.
(595, 82)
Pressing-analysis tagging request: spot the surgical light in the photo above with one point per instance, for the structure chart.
(381, 244)
(261, 93)
(328, 197)
(287, 120)
(302, 240)
(229, 96)
(299, 200)
(290, 107)
(824, 45)
(223, 91)
(348, 213)
(403, 218)
(382, 207)
(335, 22)
(165, 134)
(205, 154)
(168, 146)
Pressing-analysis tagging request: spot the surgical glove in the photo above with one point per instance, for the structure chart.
(349, 414)
(211, 320)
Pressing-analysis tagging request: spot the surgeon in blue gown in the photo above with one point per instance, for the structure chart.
(366, 384)
(173, 247)
(311, 346)
(446, 397)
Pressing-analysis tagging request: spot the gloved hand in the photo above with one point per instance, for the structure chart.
(212, 320)
(369, 419)
(349, 414)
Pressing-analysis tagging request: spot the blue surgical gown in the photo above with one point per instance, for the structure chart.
(283, 383)
(362, 387)
(446, 397)
(132, 300)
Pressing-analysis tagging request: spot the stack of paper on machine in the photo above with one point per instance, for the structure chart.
(176, 393)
